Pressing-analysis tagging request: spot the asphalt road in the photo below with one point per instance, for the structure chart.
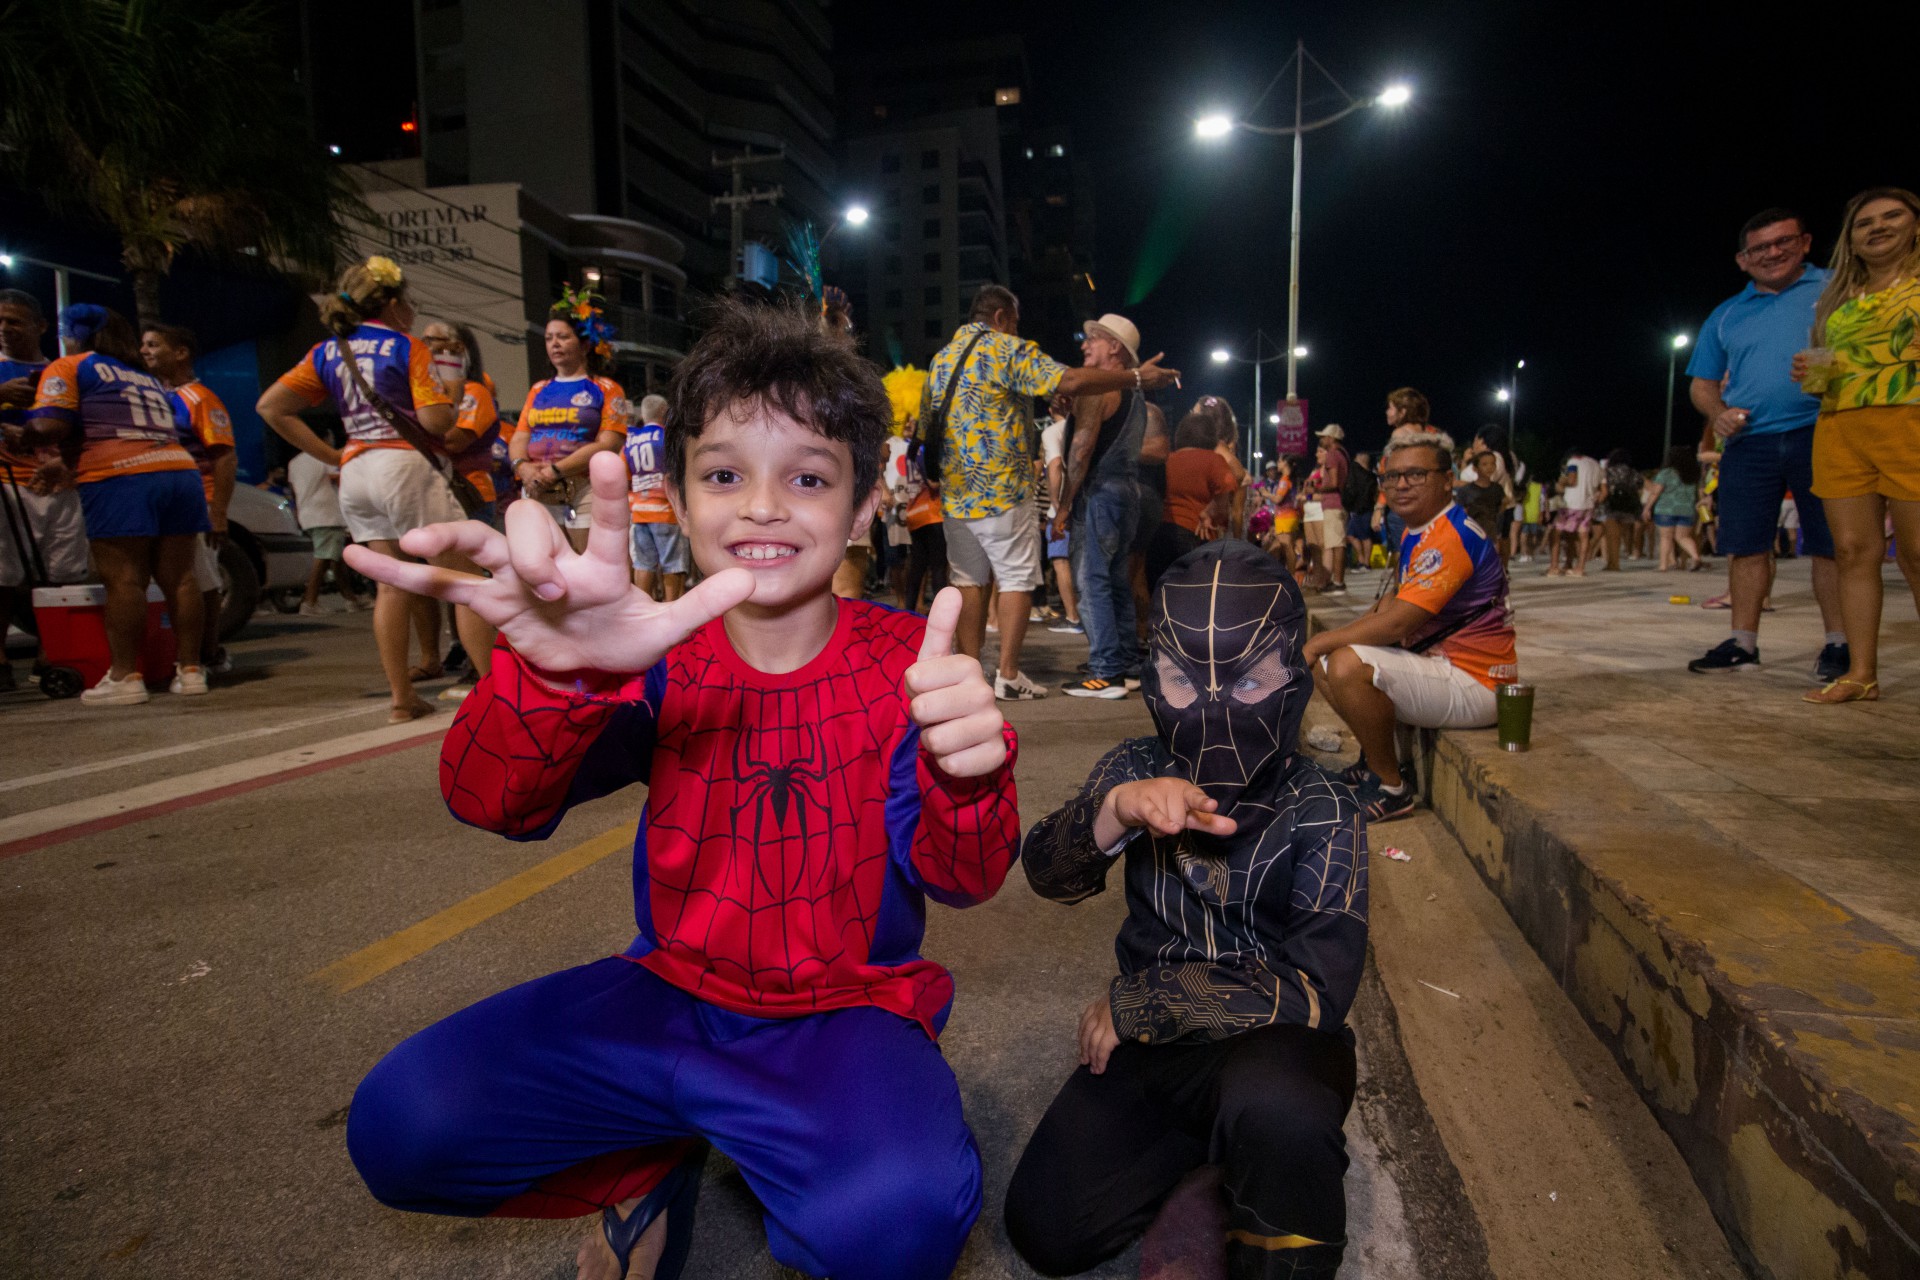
(220, 912)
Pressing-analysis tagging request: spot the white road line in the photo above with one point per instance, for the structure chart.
(54, 817)
(364, 707)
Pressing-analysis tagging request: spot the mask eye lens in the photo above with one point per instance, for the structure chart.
(1176, 687)
(1266, 678)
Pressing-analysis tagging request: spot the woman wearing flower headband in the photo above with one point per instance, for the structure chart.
(571, 416)
(387, 486)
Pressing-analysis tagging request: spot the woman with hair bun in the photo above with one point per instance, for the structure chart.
(388, 488)
(139, 489)
(571, 416)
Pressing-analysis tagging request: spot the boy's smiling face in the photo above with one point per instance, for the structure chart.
(769, 494)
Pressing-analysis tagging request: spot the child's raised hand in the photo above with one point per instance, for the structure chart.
(960, 725)
(562, 610)
(1166, 806)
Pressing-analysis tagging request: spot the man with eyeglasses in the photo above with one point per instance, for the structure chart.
(1765, 424)
(1424, 656)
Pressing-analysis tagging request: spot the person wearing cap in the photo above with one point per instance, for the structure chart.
(1102, 501)
(1326, 517)
(986, 481)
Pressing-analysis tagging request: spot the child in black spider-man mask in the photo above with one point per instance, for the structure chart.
(816, 768)
(1223, 1039)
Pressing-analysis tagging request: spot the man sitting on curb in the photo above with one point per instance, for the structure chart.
(1424, 655)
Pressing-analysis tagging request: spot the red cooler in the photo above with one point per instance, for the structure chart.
(73, 639)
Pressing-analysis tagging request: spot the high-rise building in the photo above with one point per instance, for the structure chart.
(1003, 201)
(621, 108)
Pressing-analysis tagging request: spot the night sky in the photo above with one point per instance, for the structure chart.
(1565, 187)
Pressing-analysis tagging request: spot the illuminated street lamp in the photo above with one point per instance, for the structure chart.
(1680, 341)
(1217, 125)
(1299, 353)
(1221, 355)
(857, 215)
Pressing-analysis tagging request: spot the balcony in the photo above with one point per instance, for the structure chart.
(642, 329)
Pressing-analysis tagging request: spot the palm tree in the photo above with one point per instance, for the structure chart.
(177, 124)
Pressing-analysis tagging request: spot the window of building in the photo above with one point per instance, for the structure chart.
(1006, 97)
(930, 194)
(1056, 201)
(932, 295)
(934, 329)
(890, 162)
(1056, 150)
(892, 300)
(930, 158)
(891, 265)
(930, 228)
(931, 262)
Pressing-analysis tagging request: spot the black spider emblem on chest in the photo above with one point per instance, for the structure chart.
(772, 787)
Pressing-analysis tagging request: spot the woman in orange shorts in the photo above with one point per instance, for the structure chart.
(1866, 444)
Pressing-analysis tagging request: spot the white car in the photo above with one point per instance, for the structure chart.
(266, 552)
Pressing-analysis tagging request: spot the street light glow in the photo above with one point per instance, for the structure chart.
(1520, 364)
(1214, 126)
(857, 215)
(1221, 355)
(1395, 95)
(6, 262)
(1299, 353)
(1274, 419)
(1503, 395)
(1680, 340)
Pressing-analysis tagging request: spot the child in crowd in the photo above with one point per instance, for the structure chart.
(811, 782)
(1222, 1040)
(1483, 497)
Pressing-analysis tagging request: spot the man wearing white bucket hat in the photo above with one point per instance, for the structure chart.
(986, 480)
(1102, 499)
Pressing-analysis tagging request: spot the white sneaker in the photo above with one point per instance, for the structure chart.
(1018, 689)
(311, 610)
(129, 691)
(187, 680)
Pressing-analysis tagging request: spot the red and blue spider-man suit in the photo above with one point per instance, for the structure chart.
(774, 1003)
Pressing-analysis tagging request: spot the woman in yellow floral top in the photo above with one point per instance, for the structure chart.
(1866, 444)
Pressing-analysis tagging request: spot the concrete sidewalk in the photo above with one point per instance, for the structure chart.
(1721, 878)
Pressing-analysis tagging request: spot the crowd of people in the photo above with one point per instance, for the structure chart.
(680, 601)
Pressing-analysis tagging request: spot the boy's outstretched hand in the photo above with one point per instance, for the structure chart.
(562, 610)
(1164, 806)
(959, 721)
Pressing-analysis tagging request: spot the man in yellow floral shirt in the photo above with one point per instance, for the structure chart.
(987, 468)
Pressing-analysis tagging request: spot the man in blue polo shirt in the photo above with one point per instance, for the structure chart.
(1765, 425)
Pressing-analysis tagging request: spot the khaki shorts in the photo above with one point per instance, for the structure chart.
(1426, 690)
(1328, 529)
(55, 524)
(1003, 548)
(570, 502)
(387, 492)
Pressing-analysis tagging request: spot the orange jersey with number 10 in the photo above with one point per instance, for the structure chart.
(125, 417)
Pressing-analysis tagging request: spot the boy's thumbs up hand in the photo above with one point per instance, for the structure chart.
(960, 724)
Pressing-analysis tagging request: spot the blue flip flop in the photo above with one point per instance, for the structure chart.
(676, 1196)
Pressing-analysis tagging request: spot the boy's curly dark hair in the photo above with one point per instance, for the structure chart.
(779, 356)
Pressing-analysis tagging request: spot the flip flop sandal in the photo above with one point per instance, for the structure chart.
(1867, 692)
(1716, 602)
(418, 674)
(405, 715)
(676, 1196)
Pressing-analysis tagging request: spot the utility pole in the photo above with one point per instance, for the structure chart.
(736, 201)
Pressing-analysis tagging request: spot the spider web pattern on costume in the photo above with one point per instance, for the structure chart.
(768, 843)
(511, 754)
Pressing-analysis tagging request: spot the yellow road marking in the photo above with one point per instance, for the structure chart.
(368, 963)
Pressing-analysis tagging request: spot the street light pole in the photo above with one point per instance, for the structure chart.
(1293, 251)
(1680, 341)
(61, 272)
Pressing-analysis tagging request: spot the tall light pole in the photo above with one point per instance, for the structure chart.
(1219, 126)
(61, 272)
(1222, 355)
(1680, 341)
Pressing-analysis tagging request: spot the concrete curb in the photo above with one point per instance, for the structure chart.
(1775, 1035)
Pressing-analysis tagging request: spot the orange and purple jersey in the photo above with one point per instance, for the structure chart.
(399, 370)
(206, 431)
(1452, 570)
(480, 414)
(122, 420)
(17, 467)
(565, 415)
(646, 454)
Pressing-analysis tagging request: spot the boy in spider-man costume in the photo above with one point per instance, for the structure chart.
(816, 768)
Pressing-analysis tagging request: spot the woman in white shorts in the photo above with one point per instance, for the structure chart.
(570, 417)
(387, 487)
